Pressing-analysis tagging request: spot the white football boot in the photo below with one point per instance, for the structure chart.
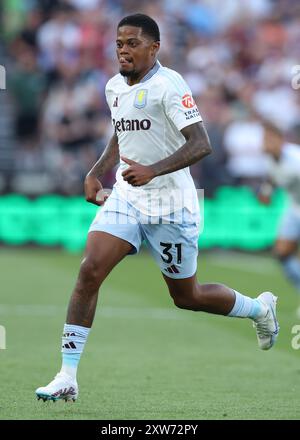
(62, 386)
(267, 327)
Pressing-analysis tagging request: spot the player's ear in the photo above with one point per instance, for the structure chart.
(155, 47)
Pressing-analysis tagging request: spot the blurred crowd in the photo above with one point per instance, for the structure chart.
(236, 55)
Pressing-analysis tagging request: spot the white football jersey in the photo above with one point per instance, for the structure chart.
(147, 118)
(286, 172)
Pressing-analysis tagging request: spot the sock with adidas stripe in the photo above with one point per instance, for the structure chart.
(73, 342)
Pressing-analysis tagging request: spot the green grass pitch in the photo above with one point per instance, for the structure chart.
(145, 359)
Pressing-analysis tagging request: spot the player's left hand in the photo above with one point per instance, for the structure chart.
(137, 174)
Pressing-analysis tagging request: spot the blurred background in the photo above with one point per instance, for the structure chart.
(59, 55)
(145, 359)
(54, 120)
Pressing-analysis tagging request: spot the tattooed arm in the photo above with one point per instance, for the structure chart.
(92, 186)
(196, 147)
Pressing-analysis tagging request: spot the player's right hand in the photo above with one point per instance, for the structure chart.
(94, 192)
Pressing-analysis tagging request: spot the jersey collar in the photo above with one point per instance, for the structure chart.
(149, 75)
(151, 72)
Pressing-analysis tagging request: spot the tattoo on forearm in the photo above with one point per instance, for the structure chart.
(196, 147)
(109, 158)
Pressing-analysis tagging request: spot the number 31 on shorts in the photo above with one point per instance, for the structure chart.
(166, 256)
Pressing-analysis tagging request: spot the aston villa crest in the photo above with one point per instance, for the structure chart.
(140, 99)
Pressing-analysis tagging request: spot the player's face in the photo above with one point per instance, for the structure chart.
(135, 51)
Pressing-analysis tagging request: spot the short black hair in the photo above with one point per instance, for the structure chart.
(148, 25)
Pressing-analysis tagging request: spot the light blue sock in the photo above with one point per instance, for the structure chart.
(246, 307)
(291, 267)
(73, 342)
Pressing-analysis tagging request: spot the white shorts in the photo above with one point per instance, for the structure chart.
(172, 239)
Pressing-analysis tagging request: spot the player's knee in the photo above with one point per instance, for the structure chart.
(90, 274)
(284, 249)
(281, 254)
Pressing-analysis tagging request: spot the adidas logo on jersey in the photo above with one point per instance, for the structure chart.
(131, 124)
